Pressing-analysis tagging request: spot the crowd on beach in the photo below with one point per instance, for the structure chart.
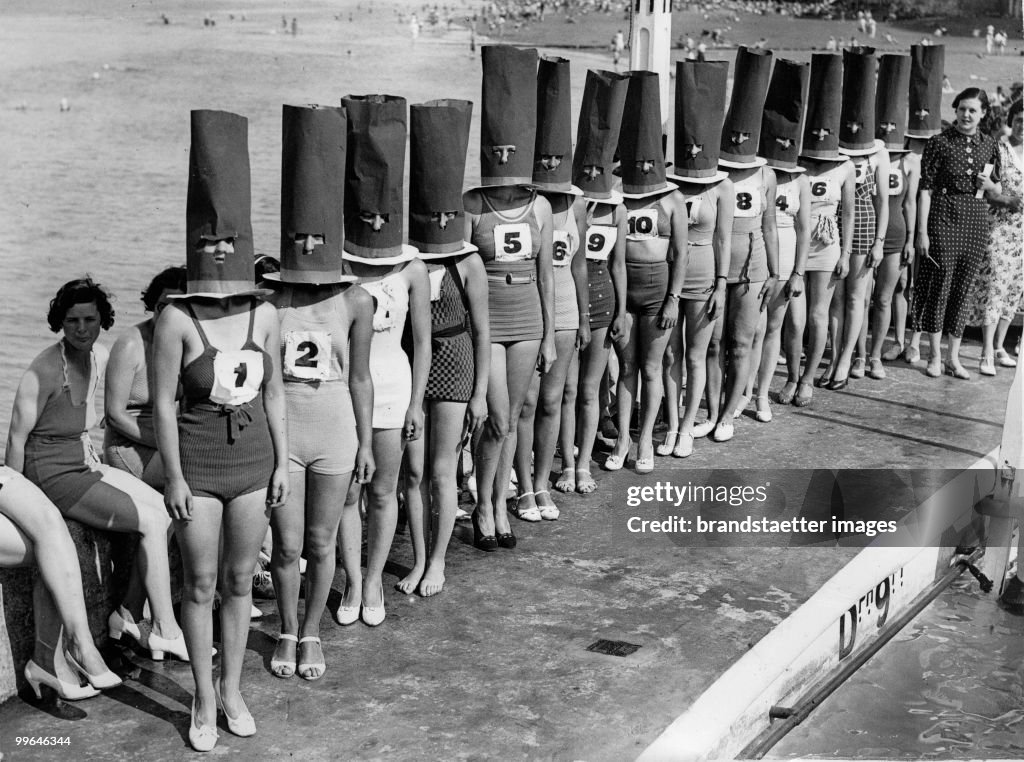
(575, 286)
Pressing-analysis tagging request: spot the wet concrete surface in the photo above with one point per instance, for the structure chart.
(496, 666)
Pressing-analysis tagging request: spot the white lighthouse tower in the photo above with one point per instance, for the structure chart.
(650, 43)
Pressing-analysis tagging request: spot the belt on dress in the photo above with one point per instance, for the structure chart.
(513, 280)
(953, 192)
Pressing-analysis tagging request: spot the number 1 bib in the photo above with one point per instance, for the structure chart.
(307, 355)
(237, 376)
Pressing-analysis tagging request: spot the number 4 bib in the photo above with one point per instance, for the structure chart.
(237, 376)
(307, 355)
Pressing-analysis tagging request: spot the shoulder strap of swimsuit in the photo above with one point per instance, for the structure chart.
(252, 321)
(63, 365)
(199, 326)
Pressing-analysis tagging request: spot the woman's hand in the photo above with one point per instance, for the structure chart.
(476, 415)
(842, 266)
(583, 333)
(412, 429)
(716, 302)
(766, 291)
(922, 244)
(669, 315)
(907, 255)
(277, 493)
(875, 254)
(547, 355)
(794, 286)
(615, 328)
(365, 466)
(178, 500)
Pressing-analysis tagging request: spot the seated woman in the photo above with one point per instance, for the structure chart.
(32, 532)
(49, 442)
(129, 442)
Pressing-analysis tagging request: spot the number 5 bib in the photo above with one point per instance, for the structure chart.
(307, 355)
(512, 242)
(237, 376)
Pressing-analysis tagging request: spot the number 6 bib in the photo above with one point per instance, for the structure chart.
(307, 355)
(237, 376)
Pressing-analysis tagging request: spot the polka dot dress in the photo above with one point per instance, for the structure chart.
(958, 229)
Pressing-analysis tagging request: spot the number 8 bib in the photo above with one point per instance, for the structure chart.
(237, 376)
(307, 355)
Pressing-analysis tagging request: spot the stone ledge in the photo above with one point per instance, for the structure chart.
(98, 551)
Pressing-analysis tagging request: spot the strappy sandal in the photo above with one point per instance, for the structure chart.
(666, 447)
(305, 667)
(525, 514)
(585, 483)
(547, 512)
(787, 393)
(567, 481)
(284, 668)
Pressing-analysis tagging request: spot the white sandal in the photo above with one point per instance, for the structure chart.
(547, 512)
(666, 447)
(531, 514)
(277, 666)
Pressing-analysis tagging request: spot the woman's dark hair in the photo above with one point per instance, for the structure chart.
(1015, 108)
(80, 291)
(985, 125)
(171, 279)
(265, 264)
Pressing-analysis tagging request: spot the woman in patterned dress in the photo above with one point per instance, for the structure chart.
(952, 242)
(1000, 282)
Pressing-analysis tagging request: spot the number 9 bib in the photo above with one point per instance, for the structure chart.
(512, 242)
(237, 376)
(307, 355)
(600, 241)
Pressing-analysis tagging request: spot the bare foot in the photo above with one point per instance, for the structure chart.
(433, 580)
(584, 482)
(408, 583)
(567, 481)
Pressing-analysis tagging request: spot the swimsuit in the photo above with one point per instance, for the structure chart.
(647, 282)
(389, 365)
(748, 262)
(452, 363)
(601, 236)
(59, 455)
(787, 205)
(864, 226)
(896, 232)
(702, 216)
(223, 435)
(823, 254)
(316, 390)
(566, 242)
(120, 451)
(509, 246)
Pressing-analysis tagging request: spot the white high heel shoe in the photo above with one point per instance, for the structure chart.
(102, 681)
(36, 676)
(243, 725)
(201, 738)
(159, 647)
(120, 622)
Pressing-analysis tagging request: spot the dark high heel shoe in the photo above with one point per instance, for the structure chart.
(507, 540)
(823, 381)
(481, 541)
(838, 384)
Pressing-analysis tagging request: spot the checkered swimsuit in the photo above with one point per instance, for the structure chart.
(864, 208)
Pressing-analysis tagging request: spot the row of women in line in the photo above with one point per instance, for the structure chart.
(282, 412)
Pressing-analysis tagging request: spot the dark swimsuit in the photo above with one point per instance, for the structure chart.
(225, 449)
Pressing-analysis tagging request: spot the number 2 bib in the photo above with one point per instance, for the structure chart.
(307, 355)
(512, 242)
(600, 241)
(237, 376)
